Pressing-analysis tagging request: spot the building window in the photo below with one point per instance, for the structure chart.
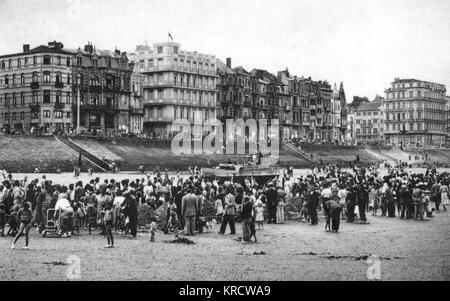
(3, 64)
(19, 63)
(46, 114)
(67, 97)
(58, 78)
(79, 61)
(22, 99)
(58, 114)
(34, 60)
(58, 96)
(22, 79)
(175, 49)
(46, 96)
(47, 60)
(160, 49)
(34, 98)
(46, 76)
(35, 78)
(68, 62)
(95, 63)
(58, 60)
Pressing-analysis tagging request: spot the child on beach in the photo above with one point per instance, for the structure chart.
(24, 216)
(259, 211)
(153, 228)
(108, 219)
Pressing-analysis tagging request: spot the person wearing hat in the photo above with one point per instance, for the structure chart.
(312, 199)
(417, 197)
(405, 200)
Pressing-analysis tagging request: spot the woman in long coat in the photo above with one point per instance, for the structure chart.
(390, 202)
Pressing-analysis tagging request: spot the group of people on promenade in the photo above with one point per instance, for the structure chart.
(193, 204)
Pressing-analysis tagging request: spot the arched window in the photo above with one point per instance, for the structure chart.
(58, 78)
(35, 77)
(80, 79)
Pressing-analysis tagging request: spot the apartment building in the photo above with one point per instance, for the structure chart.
(178, 84)
(415, 113)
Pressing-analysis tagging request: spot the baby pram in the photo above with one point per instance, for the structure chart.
(51, 228)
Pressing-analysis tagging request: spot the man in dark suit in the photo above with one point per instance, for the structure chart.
(271, 196)
(189, 209)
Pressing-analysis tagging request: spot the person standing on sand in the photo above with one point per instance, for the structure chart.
(436, 194)
(271, 196)
(189, 210)
(248, 226)
(230, 211)
(130, 205)
(24, 216)
(445, 196)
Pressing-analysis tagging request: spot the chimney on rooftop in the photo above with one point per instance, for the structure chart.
(229, 62)
(56, 45)
(89, 48)
(26, 47)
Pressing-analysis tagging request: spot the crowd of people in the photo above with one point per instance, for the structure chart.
(192, 204)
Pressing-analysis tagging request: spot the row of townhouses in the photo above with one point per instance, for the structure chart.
(52, 88)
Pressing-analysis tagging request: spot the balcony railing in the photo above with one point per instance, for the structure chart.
(172, 67)
(34, 85)
(172, 101)
(60, 106)
(172, 83)
(95, 89)
(136, 111)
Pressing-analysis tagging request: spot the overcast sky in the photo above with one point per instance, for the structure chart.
(363, 43)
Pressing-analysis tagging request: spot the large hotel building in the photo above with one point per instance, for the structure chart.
(177, 84)
(415, 113)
